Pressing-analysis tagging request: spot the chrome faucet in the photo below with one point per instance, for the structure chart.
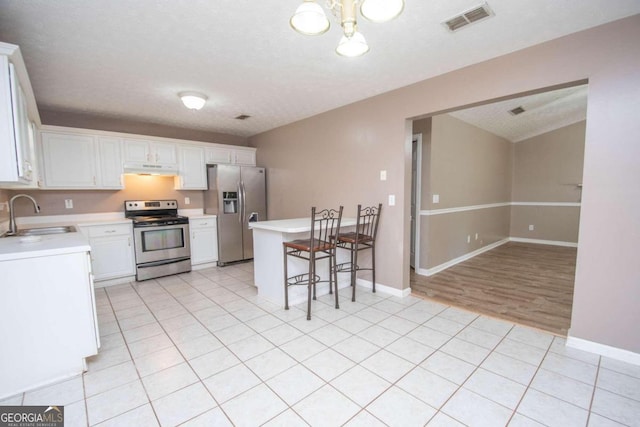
(13, 229)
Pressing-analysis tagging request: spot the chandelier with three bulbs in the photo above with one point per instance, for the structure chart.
(310, 19)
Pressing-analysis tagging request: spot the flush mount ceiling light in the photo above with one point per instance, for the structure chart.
(193, 100)
(310, 19)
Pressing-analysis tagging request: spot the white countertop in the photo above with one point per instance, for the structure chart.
(12, 248)
(293, 225)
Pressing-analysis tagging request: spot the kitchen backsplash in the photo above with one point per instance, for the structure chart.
(137, 187)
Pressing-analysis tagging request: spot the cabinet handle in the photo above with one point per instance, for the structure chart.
(110, 231)
(94, 180)
(129, 241)
(193, 235)
(156, 157)
(204, 223)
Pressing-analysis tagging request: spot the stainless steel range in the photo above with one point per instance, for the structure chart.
(161, 238)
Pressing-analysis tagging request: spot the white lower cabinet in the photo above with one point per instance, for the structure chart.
(112, 252)
(47, 319)
(204, 240)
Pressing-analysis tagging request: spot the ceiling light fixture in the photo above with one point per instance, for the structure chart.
(193, 100)
(310, 19)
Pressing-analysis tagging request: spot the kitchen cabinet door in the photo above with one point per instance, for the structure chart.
(138, 151)
(17, 149)
(244, 157)
(149, 152)
(110, 162)
(204, 240)
(191, 168)
(164, 153)
(112, 252)
(218, 155)
(69, 161)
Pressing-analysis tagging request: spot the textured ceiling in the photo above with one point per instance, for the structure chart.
(129, 59)
(543, 113)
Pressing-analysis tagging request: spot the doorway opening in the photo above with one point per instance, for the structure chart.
(500, 185)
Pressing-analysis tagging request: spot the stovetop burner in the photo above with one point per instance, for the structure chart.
(148, 212)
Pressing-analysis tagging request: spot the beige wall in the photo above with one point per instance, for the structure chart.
(336, 158)
(465, 166)
(469, 166)
(447, 234)
(87, 121)
(548, 168)
(137, 187)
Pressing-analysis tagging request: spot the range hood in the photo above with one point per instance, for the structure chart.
(150, 169)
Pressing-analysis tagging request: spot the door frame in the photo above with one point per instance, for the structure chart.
(417, 191)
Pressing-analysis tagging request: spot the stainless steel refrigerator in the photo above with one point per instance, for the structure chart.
(237, 195)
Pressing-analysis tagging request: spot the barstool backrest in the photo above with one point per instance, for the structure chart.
(367, 221)
(324, 224)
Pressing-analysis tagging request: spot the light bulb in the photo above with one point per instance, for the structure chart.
(309, 19)
(352, 46)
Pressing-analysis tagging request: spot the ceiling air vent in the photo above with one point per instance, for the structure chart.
(516, 111)
(242, 117)
(475, 14)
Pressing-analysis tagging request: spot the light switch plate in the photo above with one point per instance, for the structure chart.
(383, 175)
(392, 200)
(187, 201)
(436, 198)
(68, 203)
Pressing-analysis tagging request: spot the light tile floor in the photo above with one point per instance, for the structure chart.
(201, 349)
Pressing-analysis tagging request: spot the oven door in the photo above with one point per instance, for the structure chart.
(161, 242)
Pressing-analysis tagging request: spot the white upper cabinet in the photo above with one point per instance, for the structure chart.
(218, 155)
(76, 161)
(228, 155)
(191, 168)
(69, 161)
(244, 156)
(110, 162)
(17, 117)
(149, 152)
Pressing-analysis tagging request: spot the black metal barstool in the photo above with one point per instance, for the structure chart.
(364, 237)
(320, 245)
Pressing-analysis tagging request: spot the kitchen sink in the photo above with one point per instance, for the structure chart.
(47, 230)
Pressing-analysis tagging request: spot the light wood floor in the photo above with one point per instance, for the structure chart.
(525, 283)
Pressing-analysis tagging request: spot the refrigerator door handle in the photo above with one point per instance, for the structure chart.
(244, 203)
(240, 202)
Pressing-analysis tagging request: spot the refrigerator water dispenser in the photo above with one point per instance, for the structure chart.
(230, 202)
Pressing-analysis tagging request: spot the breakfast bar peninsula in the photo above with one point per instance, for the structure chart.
(268, 259)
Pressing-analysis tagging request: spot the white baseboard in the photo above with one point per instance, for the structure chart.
(112, 282)
(385, 289)
(203, 266)
(438, 268)
(604, 350)
(544, 242)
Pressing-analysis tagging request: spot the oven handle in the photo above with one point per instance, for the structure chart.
(161, 225)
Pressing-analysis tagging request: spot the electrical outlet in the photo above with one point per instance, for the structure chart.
(532, 227)
(392, 200)
(476, 236)
(68, 203)
(436, 198)
(187, 200)
(468, 238)
(3, 204)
